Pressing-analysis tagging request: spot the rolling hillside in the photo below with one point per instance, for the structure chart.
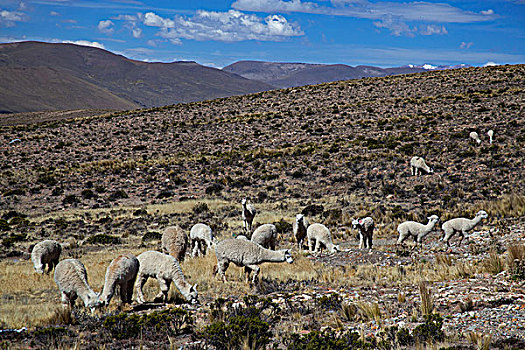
(38, 76)
(285, 75)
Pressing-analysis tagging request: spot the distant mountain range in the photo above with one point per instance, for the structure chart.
(284, 75)
(36, 76)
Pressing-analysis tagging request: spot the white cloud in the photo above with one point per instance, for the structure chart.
(85, 43)
(223, 26)
(408, 11)
(432, 29)
(9, 18)
(465, 45)
(490, 64)
(105, 26)
(153, 20)
(488, 12)
(132, 23)
(136, 32)
(396, 26)
(54, 13)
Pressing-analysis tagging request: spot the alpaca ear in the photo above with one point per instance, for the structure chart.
(194, 287)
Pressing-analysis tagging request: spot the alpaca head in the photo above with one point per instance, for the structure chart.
(356, 223)
(434, 218)
(288, 256)
(483, 214)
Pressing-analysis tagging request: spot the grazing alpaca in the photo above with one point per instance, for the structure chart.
(248, 254)
(122, 272)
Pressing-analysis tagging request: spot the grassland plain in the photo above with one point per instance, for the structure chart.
(108, 184)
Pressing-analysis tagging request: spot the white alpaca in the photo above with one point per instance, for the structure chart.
(365, 227)
(461, 225)
(319, 236)
(46, 253)
(299, 229)
(415, 229)
(265, 236)
(491, 135)
(201, 238)
(166, 269)
(474, 136)
(246, 254)
(418, 164)
(248, 213)
(71, 279)
(122, 272)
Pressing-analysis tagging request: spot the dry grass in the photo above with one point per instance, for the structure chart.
(480, 341)
(427, 303)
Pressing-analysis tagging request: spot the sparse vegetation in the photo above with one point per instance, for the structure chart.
(103, 195)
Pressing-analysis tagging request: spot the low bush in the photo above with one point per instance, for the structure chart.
(104, 239)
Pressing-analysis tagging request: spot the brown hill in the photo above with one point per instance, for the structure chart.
(43, 76)
(336, 139)
(285, 75)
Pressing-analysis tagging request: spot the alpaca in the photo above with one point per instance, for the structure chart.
(246, 254)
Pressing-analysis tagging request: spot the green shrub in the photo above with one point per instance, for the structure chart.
(430, 331)
(200, 208)
(4, 225)
(326, 340)
(283, 226)
(70, 199)
(103, 238)
(13, 238)
(151, 236)
(165, 323)
(118, 194)
(240, 327)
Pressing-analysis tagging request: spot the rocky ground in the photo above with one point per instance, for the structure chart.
(101, 184)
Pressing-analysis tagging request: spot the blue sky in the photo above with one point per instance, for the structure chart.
(217, 33)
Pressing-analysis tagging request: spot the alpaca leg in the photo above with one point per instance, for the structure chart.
(138, 288)
(361, 240)
(369, 238)
(129, 288)
(222, 266)
(195, 251)
(311, 244)
(67, 301)
(413, 170)
(164, 289)
(256, 270)
(247, 271)
(123, 292)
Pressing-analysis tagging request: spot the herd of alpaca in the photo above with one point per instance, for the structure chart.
(129, 273)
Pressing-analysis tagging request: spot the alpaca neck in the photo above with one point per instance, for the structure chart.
(475, 221)
(272, 256)
(430, 224)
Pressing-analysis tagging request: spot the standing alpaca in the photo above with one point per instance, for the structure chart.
(491, 135)
(248, 254)
(461, 225)
(299, 229)
(248, 213)
(122, 272)
(415, 229)
(365, 227)
(46, 253)
(175, 242)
